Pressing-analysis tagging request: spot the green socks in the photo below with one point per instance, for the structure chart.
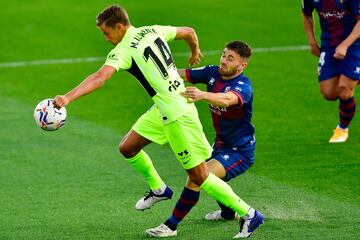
(213, 185)
(223, 193)
(143, 165)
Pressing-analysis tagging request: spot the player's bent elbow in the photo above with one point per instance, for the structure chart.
(191, 33)
(185, 33)
(190, 30)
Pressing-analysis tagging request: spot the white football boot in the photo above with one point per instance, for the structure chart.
(151, 198)
(161, 231)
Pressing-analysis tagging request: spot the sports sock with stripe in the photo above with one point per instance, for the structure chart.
(187, 200)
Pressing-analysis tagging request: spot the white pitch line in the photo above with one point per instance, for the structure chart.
(179, 54)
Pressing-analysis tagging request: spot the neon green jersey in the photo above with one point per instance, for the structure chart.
(144, 53)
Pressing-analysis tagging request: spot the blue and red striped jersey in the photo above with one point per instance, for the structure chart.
(337, 19)
(232, 124)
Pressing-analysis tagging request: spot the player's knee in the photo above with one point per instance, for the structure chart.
(198, 175)
(192, 186)
(123, 149)
(126, 150)
(197, 179)
(345, 92)
(328, 95)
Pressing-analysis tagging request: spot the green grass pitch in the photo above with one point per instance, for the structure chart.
(73, 183)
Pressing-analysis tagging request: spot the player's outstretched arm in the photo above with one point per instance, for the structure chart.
(91, 83)
(188, 34)
(341, 50)
(217, 99)
(308, 23)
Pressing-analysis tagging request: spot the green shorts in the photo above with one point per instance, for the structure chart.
(185, 135)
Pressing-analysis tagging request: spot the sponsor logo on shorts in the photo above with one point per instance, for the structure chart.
(186, 162)
(184, 155)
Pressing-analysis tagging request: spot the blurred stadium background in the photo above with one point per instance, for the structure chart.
(73, 184)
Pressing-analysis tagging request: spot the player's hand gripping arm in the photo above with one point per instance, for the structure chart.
(341, 49)
(189, 35)
(308, 23)
(91, 83)
(193, 94)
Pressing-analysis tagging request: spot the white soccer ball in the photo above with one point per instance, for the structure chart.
(48, 117)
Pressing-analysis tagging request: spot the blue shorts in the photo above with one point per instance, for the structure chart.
(329, 66)
(234, 161)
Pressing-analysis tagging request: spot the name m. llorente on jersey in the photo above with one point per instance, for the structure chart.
(141, 35)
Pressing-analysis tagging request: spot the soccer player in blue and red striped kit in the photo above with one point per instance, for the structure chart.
(229, 94)
(339, 54)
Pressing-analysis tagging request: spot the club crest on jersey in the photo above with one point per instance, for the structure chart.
(227, 89)
(212, 80)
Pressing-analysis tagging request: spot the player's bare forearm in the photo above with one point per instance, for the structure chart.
(309, 29)
(189, 36)
(342, 48)
(353, 36)
(91, 83)
(308, 23)
(217, 99)
(221, 99)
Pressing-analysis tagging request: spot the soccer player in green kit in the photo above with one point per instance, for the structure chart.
(145, 54)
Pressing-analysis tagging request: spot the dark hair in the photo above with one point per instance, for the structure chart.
(112, 15)
(240, 47)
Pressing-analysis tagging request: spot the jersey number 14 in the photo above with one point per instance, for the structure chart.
(166, 55)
